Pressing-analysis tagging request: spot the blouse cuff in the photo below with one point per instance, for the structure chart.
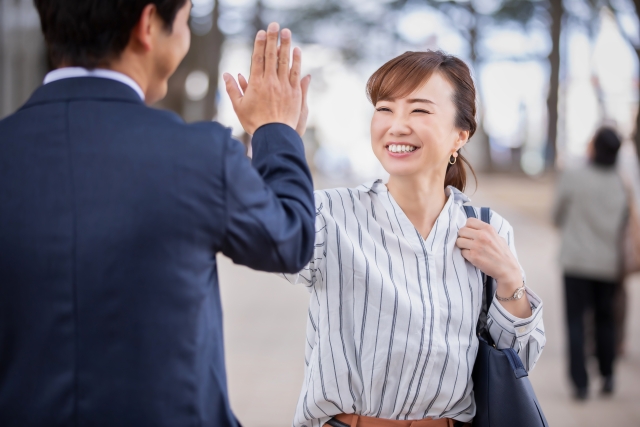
(305, 277)
(511, 324)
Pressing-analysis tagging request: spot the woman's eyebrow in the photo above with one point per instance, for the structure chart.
(424, 101)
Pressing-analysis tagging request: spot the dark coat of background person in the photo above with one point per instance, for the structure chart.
(111, 215)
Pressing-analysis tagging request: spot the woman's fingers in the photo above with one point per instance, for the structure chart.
(257, 60)
(284, 52)
(476, 224)
(304, 113)
(463, 243)
(243, 83)
(294, 75)
(469, 233)
(271, 50)
(232, 89)
(304, 84)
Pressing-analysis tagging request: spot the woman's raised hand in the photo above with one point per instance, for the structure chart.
(274, 93)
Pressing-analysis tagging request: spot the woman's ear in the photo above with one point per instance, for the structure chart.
(463, 137)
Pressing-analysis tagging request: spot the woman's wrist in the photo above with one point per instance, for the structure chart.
(509, 283)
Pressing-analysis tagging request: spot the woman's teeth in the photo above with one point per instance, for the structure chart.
(397, 148)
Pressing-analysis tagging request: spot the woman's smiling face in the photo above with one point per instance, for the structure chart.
(417, 133)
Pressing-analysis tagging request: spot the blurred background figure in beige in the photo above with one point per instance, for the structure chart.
(549, 73)
(591, 209)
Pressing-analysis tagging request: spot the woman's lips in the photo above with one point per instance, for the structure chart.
(401, 150)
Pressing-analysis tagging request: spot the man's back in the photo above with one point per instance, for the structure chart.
(111, 214)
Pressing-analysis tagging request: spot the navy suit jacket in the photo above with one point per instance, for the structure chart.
(111, 215)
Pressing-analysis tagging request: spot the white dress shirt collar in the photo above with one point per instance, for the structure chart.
(71, 72)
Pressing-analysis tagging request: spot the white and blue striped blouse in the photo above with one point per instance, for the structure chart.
(392, 316)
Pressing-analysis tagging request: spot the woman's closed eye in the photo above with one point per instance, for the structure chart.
(383, 109)
(422, 111)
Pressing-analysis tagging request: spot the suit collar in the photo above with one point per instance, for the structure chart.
(71, 72)
(83, 88)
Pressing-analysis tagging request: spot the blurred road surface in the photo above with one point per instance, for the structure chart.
(265, 320)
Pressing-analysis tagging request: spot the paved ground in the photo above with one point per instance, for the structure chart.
(265, 322)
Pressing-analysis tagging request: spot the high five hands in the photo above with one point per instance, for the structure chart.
(275, 93)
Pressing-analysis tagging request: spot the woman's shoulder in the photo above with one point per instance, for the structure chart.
(344, 196)
(500, 223)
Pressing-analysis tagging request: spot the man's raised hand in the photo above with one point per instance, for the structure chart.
(274, 93)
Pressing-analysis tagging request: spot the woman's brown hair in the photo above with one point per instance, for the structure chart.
(407, 72)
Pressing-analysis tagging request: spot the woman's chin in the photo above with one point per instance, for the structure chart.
(400, 170)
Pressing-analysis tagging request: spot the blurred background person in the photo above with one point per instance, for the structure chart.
(591, 209)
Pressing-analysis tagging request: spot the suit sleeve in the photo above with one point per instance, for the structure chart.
(270, 208)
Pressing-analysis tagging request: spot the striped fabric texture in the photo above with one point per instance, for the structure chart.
(392, 316)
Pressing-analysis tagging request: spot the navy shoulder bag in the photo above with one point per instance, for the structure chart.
(501, 387)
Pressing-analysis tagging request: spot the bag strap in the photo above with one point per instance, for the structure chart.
(487, 281)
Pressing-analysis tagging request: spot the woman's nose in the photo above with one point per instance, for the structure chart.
(400, 126)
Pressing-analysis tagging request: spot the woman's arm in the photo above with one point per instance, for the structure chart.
(513, 324)
(487, 250)
(310, 274)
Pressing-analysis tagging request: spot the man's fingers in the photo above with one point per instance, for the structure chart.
(294, 74)
(271, 50)
(257, 60)
(284, 52)
(243, 83)
(232, 89)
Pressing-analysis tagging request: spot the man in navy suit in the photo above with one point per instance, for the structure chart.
(111, 215)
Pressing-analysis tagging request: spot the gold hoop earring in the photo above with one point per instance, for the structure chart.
(455, 159)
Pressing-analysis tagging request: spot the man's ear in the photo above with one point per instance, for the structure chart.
(142, 34)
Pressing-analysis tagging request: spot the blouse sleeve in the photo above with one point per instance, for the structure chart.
(525, 336)
(311, 273)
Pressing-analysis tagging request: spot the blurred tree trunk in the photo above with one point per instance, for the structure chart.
(212, 51)
(481, 151)
(557, 14)
(636, 135)
(257, 21)
(23, 58)
(204, 55)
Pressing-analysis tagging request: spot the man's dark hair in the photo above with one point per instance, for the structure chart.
(606, 144)
(89, 33)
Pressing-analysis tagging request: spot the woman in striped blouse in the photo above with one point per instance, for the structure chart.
(395, 280)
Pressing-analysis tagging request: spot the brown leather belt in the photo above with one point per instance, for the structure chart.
(352, 420)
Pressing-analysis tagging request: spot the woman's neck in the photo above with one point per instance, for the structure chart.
(421, 198)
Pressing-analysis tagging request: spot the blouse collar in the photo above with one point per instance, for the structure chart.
(378, 186)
